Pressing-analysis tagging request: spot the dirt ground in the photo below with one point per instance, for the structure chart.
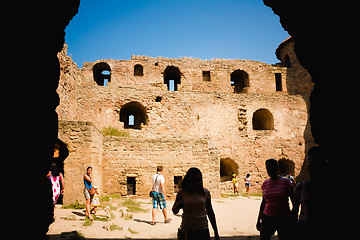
(122, 218)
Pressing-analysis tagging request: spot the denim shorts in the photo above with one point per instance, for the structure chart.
(158, 199)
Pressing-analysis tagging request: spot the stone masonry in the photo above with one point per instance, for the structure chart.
(180, 113)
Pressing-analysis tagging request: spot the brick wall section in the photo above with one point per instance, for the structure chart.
(135, 157)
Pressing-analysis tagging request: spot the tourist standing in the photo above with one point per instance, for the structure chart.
(247, 184)
(195, 200)
(235, 184)
(274, 214)
(158, 195)
(88, 191)
(56, 177)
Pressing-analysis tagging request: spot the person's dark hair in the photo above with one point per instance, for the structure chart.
(54, 170)
(192, 181)
(88, 168)
(248, 175)
(159, 168)
(272, 168)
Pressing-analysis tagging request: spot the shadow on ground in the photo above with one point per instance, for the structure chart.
(75, 236)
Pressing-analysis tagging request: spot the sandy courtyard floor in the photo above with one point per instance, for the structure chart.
(236, 218)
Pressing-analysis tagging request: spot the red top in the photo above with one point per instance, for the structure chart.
(276, 194)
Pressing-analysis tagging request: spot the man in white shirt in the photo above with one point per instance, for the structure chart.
(158, 197)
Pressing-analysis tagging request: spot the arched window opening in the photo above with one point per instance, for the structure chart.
(133, 114)
(239, 81)
(138, 70)
(172, 77)
(102, 73)
(263, 120)
(228, 167)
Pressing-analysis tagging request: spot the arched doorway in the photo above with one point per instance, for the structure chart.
(228, 167)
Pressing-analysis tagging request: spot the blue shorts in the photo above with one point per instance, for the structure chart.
(158, 199)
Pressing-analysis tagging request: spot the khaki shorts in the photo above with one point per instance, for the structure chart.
(87, 194)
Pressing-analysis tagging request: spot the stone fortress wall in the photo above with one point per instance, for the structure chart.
(180, 113)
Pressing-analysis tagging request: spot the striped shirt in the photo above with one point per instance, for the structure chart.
(276, 194)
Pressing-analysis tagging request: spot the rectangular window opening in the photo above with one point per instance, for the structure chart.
(206, 76)
(131, 185)
(278, 82)
(177, 183)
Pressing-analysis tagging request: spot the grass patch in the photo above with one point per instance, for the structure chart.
(226, 195)
(114, 227)
(133, 206)
(75, 205)
(132, 231)
(113, 131)
(107, 198)
(87, 222)
(128, 217)
(101, 218)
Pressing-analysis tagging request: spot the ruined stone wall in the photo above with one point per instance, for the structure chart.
(84, 142)
(136, 157)
(225, 118)
(298, 78)
(115, 158)
(261, 75)
(70, 76)
(198, 110)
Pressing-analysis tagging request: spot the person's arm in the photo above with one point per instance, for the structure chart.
(178, 204)
(162, 185)
(296, 201)
(262, 207)
(87, 178)
(62, 183)
(211, 215)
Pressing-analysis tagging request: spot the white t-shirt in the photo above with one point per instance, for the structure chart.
(160, 179)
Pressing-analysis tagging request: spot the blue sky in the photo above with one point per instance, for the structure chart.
(206, 29)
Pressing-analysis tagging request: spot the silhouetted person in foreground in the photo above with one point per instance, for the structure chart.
(195, 200)
(274, 214)
(304, 195)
